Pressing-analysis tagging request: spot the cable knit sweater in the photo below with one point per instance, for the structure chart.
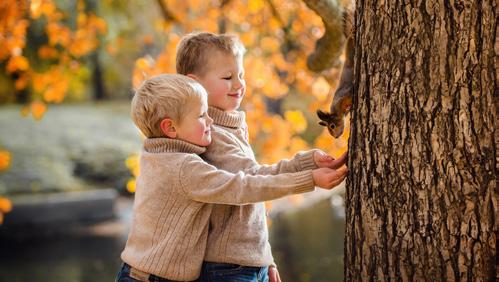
(239, 234)
(173, 202)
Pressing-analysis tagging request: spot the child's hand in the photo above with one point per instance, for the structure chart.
(322, 159)
(273, 274)
(328, 178)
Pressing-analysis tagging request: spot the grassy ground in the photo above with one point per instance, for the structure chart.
(73, 147)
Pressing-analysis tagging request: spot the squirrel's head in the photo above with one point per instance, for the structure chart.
(334, 123)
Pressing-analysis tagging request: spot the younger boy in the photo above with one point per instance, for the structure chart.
(238, 244)
(167, 240)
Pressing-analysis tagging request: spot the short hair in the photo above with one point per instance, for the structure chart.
(164, 96)
(194, 50)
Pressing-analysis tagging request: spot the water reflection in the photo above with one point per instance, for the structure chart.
(307, 244)
(73, 257)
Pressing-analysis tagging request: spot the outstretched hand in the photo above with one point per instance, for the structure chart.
(329, 178)
(322, 159)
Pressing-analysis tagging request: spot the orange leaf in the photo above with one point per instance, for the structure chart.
(38, 109)
(5, 205)
(47, 52)
(21, 82)
(17, 63)
(35, 8)
(5, 159)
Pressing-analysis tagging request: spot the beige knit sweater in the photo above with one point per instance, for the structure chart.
(239, 234)
(172, 206)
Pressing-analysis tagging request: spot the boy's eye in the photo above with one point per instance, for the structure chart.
(228, 77)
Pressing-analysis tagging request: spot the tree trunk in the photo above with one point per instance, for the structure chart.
(98, 79)
(421, 194)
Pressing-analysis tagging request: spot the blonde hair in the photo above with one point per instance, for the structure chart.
(164, 96)
(195, 49)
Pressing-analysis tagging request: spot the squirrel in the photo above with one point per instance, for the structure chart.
(342, 101)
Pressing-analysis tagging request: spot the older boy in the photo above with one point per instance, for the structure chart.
(168, 236)
(238, 247)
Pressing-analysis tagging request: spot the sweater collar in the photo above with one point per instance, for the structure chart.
(234, 119)
(167, 145)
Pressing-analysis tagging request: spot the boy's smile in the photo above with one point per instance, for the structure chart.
(224, 81)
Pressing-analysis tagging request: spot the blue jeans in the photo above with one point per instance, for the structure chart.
(124, 276)
(220, 272)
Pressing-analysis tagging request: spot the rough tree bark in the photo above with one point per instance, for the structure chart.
(421, 194)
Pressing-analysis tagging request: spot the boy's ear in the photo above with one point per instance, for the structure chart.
(193, 76)
(168, 127)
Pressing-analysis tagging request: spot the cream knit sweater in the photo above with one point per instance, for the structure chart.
(239, 234)
(172, 206)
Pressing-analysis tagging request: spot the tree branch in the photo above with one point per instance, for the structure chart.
(167, 14)
(329, 47)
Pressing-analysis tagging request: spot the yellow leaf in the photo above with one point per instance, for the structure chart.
(255, 5)
(81, 19)
(38, 109)
(297, 120)
(130, 186)
(132, 163)
(142, 63)
(5, 159)
(5, 205)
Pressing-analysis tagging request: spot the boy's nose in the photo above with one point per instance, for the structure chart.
(238, 84)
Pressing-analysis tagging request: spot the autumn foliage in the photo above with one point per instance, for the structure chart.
(48, 78)
(278, 36)
(282, 94)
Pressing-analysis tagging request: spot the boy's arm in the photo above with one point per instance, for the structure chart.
(301, 161)
(224, 149)
(203, 182)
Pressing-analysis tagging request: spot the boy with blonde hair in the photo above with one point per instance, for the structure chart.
(238, 247)
(176, 188)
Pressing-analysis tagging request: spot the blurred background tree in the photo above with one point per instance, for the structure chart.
(91, 50)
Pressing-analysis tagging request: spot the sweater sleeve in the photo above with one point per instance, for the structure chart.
(226, 148)
(203, 182)
(301, 161)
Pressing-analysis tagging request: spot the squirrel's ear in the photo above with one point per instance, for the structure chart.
(322, 115)
(322, 123)
(168, 127)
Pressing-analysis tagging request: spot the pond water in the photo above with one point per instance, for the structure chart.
(307, 245)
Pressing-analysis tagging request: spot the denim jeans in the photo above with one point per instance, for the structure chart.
(219, 272)
(124, 276)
